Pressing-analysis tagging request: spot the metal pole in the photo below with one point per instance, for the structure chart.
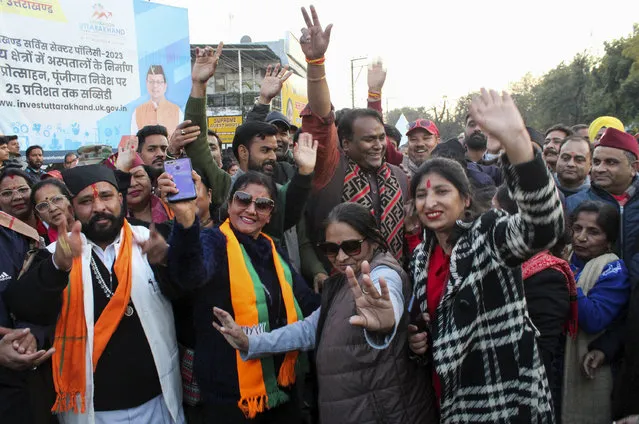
(239, 64)
(352, 85)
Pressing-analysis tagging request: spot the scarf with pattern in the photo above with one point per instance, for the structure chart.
(391, 219)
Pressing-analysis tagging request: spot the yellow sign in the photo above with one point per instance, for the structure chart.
(294, 99)
(43, 9)
(224, 126)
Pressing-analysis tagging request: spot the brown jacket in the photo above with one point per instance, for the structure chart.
(360, 384)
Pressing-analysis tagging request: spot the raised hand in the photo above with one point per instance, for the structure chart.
(15, 360)
(272, 83)
(230, 330)
(305, 154)
(185, 211)
(376, 76)
(67, 246)
(314, 40)
(185, 133)
(374, 310)
(499, 118)
(126, 154)
(155, 247)
(205, 63)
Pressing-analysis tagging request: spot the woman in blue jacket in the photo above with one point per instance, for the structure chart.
(603, 289)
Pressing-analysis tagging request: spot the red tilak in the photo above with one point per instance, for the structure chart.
(95, 191)
(427, 183)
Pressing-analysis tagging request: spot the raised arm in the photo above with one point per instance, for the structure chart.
(318, 117)
(270, 87)
(204, 68)
(540, 221)
(299, 188)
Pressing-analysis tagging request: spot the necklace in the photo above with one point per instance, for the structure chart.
(108, 290)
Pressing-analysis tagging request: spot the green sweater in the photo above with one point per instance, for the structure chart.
(291, 197)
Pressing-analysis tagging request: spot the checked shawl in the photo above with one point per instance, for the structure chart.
(483, 341)
(391, 219)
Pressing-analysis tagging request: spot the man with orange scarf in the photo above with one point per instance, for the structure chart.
(116, 354)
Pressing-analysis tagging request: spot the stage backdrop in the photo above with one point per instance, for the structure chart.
(74, 73)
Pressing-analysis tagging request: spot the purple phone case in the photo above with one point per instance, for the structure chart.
(180, 169)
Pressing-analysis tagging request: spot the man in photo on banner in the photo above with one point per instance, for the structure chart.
(158, 110)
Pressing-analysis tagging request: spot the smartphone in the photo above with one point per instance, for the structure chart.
(415, 315)
(181, 169)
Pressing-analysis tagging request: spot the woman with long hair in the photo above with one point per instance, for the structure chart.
(487, 367)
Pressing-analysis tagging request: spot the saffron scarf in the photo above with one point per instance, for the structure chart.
(69, 365)
(357, 189)
(544, 260)
(257, 378)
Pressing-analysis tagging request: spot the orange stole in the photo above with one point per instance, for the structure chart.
(167, 114)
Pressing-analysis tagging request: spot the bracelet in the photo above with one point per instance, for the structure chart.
(374, 95)
(323, 77)
(319, 61)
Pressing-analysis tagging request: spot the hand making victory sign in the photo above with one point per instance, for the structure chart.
(314, 40)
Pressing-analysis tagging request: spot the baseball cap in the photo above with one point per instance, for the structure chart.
(423, 124)
(276, 117)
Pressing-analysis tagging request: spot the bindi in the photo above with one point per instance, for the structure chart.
(427, 183)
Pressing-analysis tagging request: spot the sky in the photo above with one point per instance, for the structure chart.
(431, 49)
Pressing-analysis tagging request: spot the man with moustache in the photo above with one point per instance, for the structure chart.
(152, 145)
(423, 137)
(573, 165)
(35, 159)
(254, 146)
(116, 354)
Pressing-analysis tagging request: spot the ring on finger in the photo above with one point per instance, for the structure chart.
(364, 292)
(182, 132)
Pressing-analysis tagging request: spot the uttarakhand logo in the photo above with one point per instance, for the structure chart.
(101, 22)
(100, 13)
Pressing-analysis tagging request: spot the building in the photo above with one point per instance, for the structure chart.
(235, 87)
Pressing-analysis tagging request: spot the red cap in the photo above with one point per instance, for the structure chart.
(619, 140)
(423, 124)
(53, 174)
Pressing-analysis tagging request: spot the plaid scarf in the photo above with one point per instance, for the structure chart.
(69, 366)
(544, 260)
(391, 220)
(257, 379)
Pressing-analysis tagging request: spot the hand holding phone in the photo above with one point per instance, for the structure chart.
(181, 171)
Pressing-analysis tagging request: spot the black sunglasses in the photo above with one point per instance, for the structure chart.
(262, 204)
(349, 247)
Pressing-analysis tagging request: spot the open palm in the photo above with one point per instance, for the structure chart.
(205, 63)
(374, 310)
(273, 81)
(314, 39)
(305, 153)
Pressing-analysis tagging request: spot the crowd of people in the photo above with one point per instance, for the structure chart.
(324, 274)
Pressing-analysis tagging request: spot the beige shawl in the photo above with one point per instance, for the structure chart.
(586, 401)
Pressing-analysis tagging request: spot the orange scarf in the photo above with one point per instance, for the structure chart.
(69, 366)
(258, 386)
(166, 113)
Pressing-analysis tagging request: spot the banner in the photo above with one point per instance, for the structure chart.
(74, 73)
(225, 126)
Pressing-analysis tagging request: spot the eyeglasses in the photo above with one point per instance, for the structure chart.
(55, 200)
(262, 204)
(424, 123)
(7, 195)
(349, 247)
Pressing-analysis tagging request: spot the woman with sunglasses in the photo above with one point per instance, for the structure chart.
(51, 201)
(466, 276)
(364, 372)
(238, 268)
